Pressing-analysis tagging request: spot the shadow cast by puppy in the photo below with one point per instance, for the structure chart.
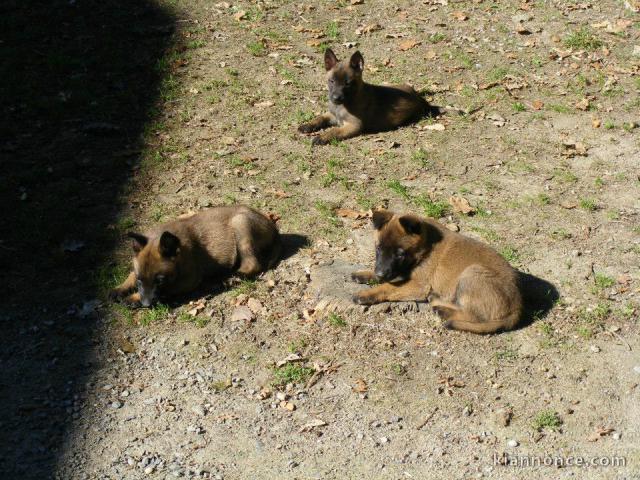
(538, 296)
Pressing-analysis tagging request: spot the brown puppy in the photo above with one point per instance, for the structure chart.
(466, 281)
(175, 257)
(357, 107)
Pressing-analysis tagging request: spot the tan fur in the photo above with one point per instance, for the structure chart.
(466, 281)
(216, 241)
(368, 108)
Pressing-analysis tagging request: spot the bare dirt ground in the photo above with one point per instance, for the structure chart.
(308, 385)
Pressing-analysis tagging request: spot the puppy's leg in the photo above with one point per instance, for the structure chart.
(124, 288)
(318, 123)
(133, 299)
(363, 276)
(347, 130)
(392, 292)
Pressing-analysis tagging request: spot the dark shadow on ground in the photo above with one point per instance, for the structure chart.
(292, 243)
(539, 297)
(78, 82)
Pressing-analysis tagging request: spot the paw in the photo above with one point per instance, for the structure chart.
(359, 277)
(363, 299)
(132, 300)
(307, 128)
(319, 140)
(116, 294)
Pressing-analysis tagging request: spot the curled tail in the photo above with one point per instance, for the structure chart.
(458, 318)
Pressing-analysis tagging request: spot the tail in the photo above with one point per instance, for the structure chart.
(464, 320)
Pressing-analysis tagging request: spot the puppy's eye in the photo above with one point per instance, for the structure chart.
(159, 279)
(332, 80)
(400, 252)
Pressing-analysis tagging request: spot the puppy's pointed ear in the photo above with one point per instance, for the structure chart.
(330, 59)
(411, 224)
(169, 245)
(139, 241)
(380, 218)
(357, 62)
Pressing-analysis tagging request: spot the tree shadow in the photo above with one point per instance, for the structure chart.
(78, 84)
(538, 295)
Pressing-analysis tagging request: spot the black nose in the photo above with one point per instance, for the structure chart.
(381, 274)
(337, 98)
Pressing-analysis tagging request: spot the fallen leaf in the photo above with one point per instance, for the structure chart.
(460, 16)
(292, 357)
(583, 104)
(242, 313)
(240, 15)
(287, 405)
(360, 386)
(572, 149)
(408, 45)
(373, 27)
(461, 205)
(537, 104)
(434, 126)
(317, 422)
(348, 213)
(274, 217)
(600, 432)
(595, 122)
(266, 103)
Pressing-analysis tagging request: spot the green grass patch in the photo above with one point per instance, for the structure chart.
(332, 30)
(154, 314)
(245, 287)
(292, 373)
(433, 209)
(546, 419)
(336, 320)
(588, 204)
(510, 254)
(257, 49)
(582, 39)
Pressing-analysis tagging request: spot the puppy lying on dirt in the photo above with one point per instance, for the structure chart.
(176, 257)
(357, 107)
(467, 282)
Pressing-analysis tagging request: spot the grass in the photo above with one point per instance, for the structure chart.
(602, 281)
(588, 204)
(245, 287)
(326, 211)
(434, 209)
(108, 277)
(197, 320)
(421, 157)
(332, 30)
(582, 39)
(436, 37)
(292, 373)
(519, 107)
(497, 74)
(297, 345)
(592, 321)
(401, 190)
(546, 419)
(506, 354)
(154, 314)
(336, 320)
(256, 49)
(510, 254)
(123, 312)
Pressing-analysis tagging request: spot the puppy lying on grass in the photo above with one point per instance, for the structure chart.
(176, 257)
(467, 282)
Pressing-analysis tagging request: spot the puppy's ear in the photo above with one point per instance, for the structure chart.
(357, 62)
(330, 59)
(411, 224)
(139, 241)
(169, 245)
(381, 218)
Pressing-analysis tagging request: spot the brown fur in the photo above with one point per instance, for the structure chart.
(176, 257)
(466, 281)
(357, 107)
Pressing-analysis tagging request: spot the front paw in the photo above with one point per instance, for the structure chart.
(117, 294)
(320, 140)
(361, 277)
(132, 300)
(364, 298)
(307, 128)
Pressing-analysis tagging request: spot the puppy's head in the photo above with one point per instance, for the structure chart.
(401, 242)
(155, 264)
(343, 78)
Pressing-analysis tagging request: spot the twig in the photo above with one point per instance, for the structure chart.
(426, 420)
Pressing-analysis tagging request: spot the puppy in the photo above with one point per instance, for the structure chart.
(176, 257)
(357, 107)
(467, 282)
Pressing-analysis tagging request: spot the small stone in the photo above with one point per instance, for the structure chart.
(242, 313)
(512, 443)
(199, 410)
(616, 435)
(594, 348)
(384, 440)
(149, 470)
(116, 405)
(453, 227)
(637, 369)
(254, 305)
